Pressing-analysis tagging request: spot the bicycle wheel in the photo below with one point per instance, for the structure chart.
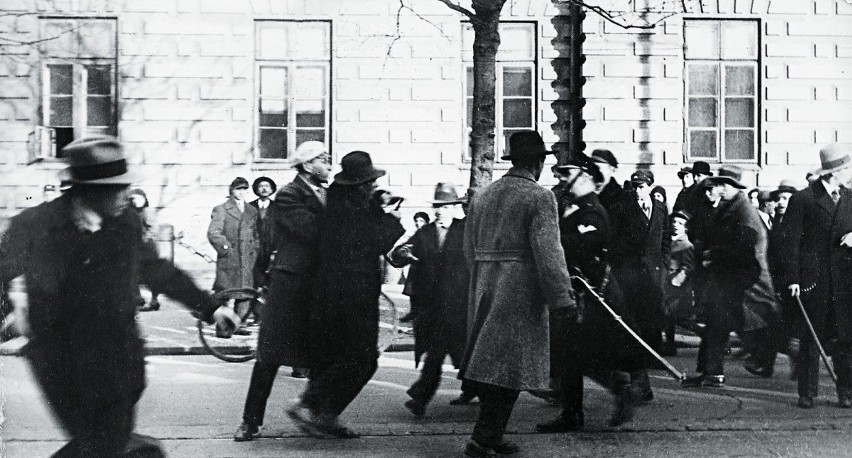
(388, 322)
(242, 346)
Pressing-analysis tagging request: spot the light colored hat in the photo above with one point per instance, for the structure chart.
(98, 160)
(308, 151)
(445, 194)
(728, 174)
(833, 157)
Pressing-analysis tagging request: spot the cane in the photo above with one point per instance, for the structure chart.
(822, 353)
(678, 375)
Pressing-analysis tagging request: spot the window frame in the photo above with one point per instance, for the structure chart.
(290, 65)
(722, 63)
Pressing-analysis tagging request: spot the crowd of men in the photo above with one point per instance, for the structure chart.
(524, 288)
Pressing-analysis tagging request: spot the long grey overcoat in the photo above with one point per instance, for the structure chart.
(236, 230)
(518, 273)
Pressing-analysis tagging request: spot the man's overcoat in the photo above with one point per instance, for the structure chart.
(238, 231)
(518, 272)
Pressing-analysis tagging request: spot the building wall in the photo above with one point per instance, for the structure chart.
(187, 89)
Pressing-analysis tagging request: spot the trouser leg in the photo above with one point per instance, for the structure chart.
(262, 379)
(571, 394)
(808, 368)
(331, 390)
(495, 408)
(842, 360)
(430, 377)
(716, 338)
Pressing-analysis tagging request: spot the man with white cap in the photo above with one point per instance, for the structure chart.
(82, 255)
(816, 261)
(284, 335)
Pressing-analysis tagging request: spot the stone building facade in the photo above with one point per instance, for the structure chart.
(202, 91)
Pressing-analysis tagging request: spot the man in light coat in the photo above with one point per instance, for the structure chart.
(518, 274)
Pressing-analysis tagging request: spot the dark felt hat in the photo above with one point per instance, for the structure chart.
(701, 168)
(257, 181)
(605, 156)
(98, 160)
(357, 168)
(526, 144)
(238, 183)
(582, 162)
(684, 171)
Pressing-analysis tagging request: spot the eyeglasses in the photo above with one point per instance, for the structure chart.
(323, 159)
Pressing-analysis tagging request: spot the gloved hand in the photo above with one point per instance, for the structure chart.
(226, 320)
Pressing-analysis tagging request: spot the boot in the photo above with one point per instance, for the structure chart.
(641, 386)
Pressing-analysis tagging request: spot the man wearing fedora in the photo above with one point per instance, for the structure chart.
(264, 188)
(283, 339)
(609, 191)
(738, 293)
(691, 197)
(82, 255)
(817, 259)
(518, 273)
(439, 294)
(357, 228)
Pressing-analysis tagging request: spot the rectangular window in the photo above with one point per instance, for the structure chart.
(293, 65)
(515, 86)
(79, 83)
(721, 66)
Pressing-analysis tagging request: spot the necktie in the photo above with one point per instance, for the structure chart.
(442, 234)
(835, 196)
(320, 191)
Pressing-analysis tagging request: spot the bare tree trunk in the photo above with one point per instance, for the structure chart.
(486, 41)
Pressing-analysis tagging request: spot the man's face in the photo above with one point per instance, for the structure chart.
(782, 202)
(107, 201)
(239, 194)
(607, 171)
(445, 213)
(687, 180)
(714, 193)
(698, 177)
(264, 189)
(643, 190)
(419, 222)
(319, 167)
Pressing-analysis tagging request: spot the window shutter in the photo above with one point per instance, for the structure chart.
(39, 144)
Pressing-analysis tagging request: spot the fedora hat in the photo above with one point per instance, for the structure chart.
(604, 156)
(584, 163)
(357, 167)
(701, 168)
(257, 181)
(307, 151)
(832, 158)
(788, 186)
(728, 174)
(98, 160)
(526, 144)
(445, 194)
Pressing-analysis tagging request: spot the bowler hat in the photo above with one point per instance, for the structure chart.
(238, 183)
(257, 181)
(445, 194)
(605, 156)
(526, 144)
(584, 163)
(307, 151)
(728, 174)
(98, 160)
(833, 157)
(357, 167)
(684, 171)
(701, 168)
(642, 176)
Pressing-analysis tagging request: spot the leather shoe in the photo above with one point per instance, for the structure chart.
(561, 425)
(473, 449)
(754, 369)
(246, 432)
(805, 402)
(507, 448)
(623, 408)
(712, 381)
(463, 399)
(416, 407)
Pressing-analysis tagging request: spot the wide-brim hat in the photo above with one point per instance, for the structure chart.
(728, 174)
(526, 144)
(98, 160)
(445, 194)
(357, 168)
(257, 181)
(701, 168)
(307, 151)
(832, 158)
(786, 185)
(584, 163)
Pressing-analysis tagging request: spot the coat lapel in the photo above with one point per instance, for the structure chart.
(823, 199)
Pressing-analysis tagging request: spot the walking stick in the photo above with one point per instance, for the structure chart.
(678, 375)
(822, 353)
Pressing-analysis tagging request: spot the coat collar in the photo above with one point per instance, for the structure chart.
(521, 173)
(822, 197)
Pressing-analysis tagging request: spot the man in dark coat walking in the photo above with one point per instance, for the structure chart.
(82, 256)
(817, 261)
(264, 188)
(609, 191)
(283, 339)
(440, 285)
(640, 255)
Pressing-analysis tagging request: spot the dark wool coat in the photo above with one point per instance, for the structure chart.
(284, 336)
(84, 341)
(439, 294)
(739, 293)
(611, 194)
(813, 258)
(679, 302)
(238, 231)
(353, 238)
(266, 240)
(518, 272)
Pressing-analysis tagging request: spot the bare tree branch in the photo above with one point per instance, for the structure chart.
(458, 8)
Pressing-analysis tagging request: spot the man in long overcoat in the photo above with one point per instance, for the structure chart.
(817, 261)
(518, 273)
(439, 293)
(283, 339)
(82, 255)
(264, 188)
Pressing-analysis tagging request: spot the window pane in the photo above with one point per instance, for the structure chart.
(739, 80)
(702, 39)
(61, 112)
(99, 80)
(517, 113)
(702, 144)
(61, 79)
(98, 111)
(60, 38)
(97, 38)
(273, 113)
(311, 41)
(739, 112)
(517, 82)
(310, 113)
(309, 83)
(273, 143)
(469, 87)
(703, 112)
(739, 40)
(517, 42)
(271, 40)
(739, 144)
(307, 135)
(469, 118)
(273, 81)
(703, 79)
